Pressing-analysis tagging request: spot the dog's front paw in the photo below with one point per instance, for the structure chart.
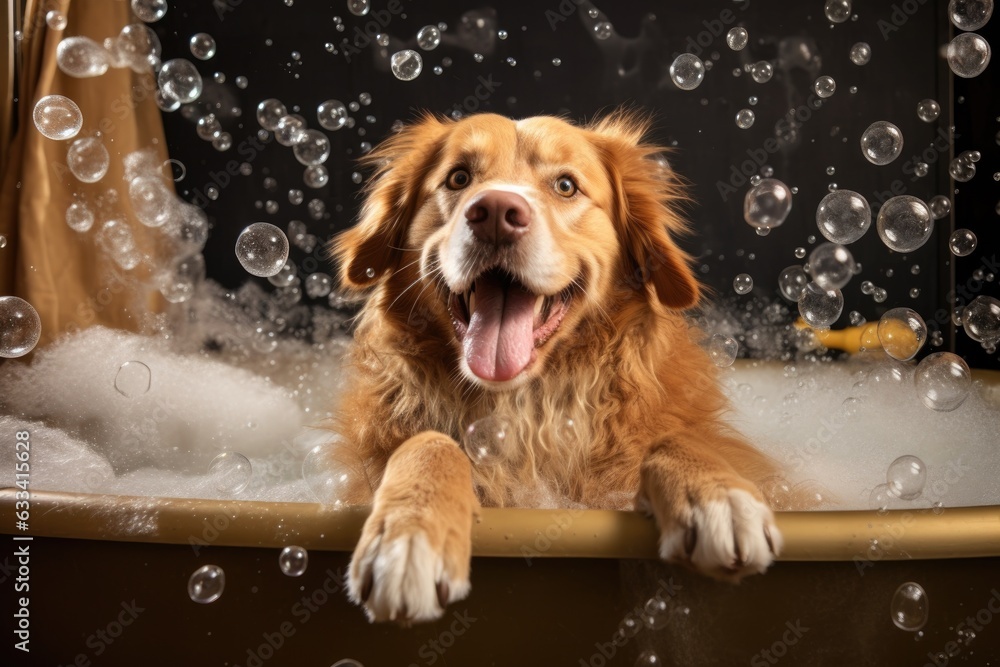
(717, 523)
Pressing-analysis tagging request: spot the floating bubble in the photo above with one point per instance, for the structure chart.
(906, 477)
(942, 381)
(968, 55)
(861, 53)
(293, 561)
(824, 86)
(687, 71)
(136, 47)
(882, 142)
(327, 476)
(358, 7)
(962, 168)
(484, 440)
(347, 662)
(20, 327)
(262, 249)
(767, 204)
(180, 80)
(79, 217)
(603, 30)
(316, 176)
(206, 583)
(723, 350)
(288, 275)
(928, 110)
(115, 238)
(290, 130)
(902, 333)
(743, 283)
(230, 472)
(178, 282)
(149, 11)
(151, 200)
(762, 71)
(744, 119)
(904, 223)
(57, 117)
(202, 46)
(429, 37)
(831, 265)
(312, 149)
(970, 14)
(332, 114)
(271, 111)
(940, 206)
(962, 242)
(792, 282)
(819, 307)
(406, 65)
(55, 19)
(981, 320)
(737, 39)
(88, 159)
(880, 498)
(318, 285)
(648, 658)
(837, 11)
(843, 216)
(909, 607)
(133, 378)
(208, 127)
(82, 57)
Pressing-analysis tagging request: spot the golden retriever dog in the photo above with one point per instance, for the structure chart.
(525, 270)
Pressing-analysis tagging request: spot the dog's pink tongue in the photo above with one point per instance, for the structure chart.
(499, 340)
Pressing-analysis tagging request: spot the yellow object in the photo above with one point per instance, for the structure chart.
(901, 342)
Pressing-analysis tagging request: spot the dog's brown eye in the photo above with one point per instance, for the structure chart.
(458, 179)
(566, 186)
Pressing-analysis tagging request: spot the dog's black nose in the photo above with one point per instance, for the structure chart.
(498, 217)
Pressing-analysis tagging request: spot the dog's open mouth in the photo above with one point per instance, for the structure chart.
(500, 323)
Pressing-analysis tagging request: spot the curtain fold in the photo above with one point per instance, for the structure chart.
(56, 269)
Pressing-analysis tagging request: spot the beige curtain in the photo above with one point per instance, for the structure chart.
(56, 269)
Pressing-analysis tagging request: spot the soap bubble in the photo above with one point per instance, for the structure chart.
(792, 282)
(208, 581)
(909, 607)
(312, 149)
(687, 71)
(843, 216)
(762, 71)
(744, 119)
(133, 379)
(939, 206)
(831, 265)
(603, 30)
(327, 476)
(230, 472)
(737, 39)
(981, 320)
(208, 127)
(962, 242)
(968, 55)
(882, 142)
(880, 498)
(648, 658)
(928, 110)
(318, 285)
(942, 381)
(406, 65)
(902, 333)
(293, 561)
(861, 53)
(723, 350)
(56, 20)
(743, 283)
(332, 114)
(271, 111)
(970, 14)
(290, 130)
(82, 57)
(429, 37)
(962, 168)
(287, 276)
(316, 176)
(149, 11)
(136, 47)
(825, 86)
(819, 307)
(904, 223)
(837, 11)
(262, 249)
(115, 238)
(178, 282)
(484, 440)
(180, 80)
(202, 46)
(20, 327)
(79, 217)
(358, 7)
(767, 204)
(906, 477)
(151, 200)
(88, 159)
(57, 117)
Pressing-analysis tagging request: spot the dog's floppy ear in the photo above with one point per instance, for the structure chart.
(645, 191)
(373, 246)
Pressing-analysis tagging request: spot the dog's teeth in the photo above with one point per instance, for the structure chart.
(539, 303)
(471, 300)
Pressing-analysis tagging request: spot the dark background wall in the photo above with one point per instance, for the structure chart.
(283, 52)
